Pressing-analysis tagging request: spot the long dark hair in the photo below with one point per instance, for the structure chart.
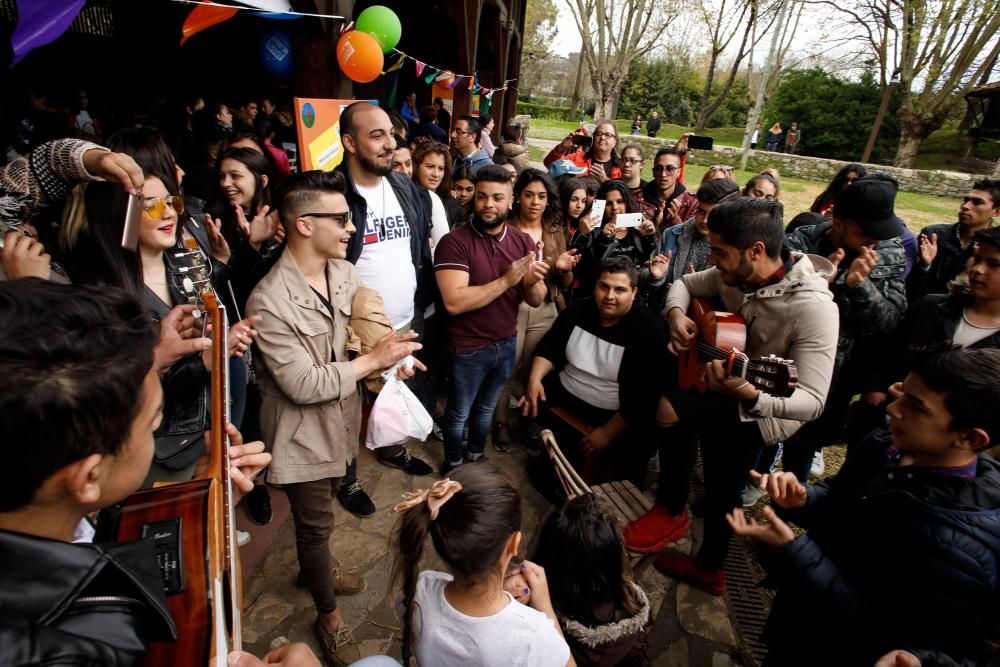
(583, 553)
(838, 183)
(566, 189)
(150, 151)
(220, 206)
(527, 177)
(469, 533)
(608, 186)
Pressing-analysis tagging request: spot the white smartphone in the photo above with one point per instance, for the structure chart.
(623, 220)
(597, 212)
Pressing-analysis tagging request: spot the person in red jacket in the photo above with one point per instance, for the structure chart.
(601, 159)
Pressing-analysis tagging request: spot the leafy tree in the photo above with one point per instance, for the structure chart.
(835, 115)
(539, 30)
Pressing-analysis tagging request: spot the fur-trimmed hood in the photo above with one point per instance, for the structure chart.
(609, 633)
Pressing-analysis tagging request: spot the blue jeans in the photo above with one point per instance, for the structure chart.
(477, 377)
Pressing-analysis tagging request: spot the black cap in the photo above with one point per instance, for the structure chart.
(869, 203)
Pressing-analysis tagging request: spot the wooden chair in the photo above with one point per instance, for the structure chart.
(627, 502)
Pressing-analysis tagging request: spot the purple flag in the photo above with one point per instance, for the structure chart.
(40, 22)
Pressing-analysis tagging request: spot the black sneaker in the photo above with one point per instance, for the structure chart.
(411, 465)
(501, 437)
(355, 500)
(258, 505)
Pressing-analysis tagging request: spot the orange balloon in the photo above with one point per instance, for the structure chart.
(360, 56)
(205, 16)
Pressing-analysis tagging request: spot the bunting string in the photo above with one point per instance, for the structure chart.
(260, 11)
(447, 78)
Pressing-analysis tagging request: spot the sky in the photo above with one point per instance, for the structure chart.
(808, 38)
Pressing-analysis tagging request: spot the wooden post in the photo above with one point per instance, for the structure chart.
(879, 117)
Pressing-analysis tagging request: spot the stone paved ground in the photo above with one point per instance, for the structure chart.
(689, 627)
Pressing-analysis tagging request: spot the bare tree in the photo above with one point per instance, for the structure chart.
(539, 31)
(724, 22)
(613, 33)
(938, 49)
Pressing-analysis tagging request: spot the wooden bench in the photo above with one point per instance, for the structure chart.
(627, 502)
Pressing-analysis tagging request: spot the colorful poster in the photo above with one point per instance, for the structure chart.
(318, 123)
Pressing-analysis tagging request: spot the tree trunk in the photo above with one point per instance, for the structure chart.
(606, 91)
(573, 115)
(910, 139)
(705, 112)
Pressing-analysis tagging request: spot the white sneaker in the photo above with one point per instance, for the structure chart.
(751, 495)
(818, 466)
(513, 403)
(242, 537)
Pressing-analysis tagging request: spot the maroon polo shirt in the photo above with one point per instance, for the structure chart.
(485, 257)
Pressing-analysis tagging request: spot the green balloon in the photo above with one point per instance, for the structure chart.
(382, 24)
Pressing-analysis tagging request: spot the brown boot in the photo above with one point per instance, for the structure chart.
(339, 649)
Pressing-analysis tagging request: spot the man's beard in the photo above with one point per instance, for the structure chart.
(490, 224)
(373, 167)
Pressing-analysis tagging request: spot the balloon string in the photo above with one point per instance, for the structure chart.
(260, 11)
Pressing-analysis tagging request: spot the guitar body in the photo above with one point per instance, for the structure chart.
(174, 516)
(193, 527)
(719, 329)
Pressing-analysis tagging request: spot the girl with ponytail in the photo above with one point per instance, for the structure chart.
(466, 617)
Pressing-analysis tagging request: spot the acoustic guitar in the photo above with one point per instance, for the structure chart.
(193, 527)
(722, 336)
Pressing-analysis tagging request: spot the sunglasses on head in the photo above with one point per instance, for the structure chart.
(156, 207)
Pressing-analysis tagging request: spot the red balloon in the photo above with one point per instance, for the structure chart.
(360, 56)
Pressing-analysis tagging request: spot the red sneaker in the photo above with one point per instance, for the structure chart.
(682, 568)
(656, 529)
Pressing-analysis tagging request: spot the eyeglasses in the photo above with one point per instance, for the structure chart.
(632, 160)
(342, 219)
(607, 135)
(458, 131)
(156, 207)
(659, 169)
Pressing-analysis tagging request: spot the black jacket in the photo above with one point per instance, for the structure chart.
(895, 558)
(416, 204)
(79, 604)
(950, 261)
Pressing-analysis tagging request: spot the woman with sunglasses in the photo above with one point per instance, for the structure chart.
(535, 212)
(601, 160)
(847, 175)
(155, 274)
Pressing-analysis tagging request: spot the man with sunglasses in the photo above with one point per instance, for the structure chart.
(391, 251)
(673, 203)
(311, 409)
(465, 140)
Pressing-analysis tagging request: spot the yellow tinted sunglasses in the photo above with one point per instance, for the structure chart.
(157, 206)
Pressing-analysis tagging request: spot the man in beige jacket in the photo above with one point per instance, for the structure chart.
(785, 300)
(311, 410)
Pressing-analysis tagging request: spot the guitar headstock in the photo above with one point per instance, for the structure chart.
(774, 375)
(191, 271)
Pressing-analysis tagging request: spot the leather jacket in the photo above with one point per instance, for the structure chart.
(79, 604)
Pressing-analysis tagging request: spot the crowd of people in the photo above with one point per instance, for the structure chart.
(565, 295)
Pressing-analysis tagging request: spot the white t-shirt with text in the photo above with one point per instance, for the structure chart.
(385, 263)
(516, 635)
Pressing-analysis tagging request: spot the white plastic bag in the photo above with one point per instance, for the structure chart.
(397, 414)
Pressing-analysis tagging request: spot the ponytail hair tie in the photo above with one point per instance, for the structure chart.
(436, 496)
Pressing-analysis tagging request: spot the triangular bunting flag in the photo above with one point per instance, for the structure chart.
(430, 77)
(472, 82)
(445, 76)
(396, 65)
(420, 67)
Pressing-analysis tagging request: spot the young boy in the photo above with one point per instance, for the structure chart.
(904, 542)
(79, 400)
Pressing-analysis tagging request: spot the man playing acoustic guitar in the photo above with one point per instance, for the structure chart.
(789, 312)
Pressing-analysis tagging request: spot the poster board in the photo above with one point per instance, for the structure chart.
(318, 130)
